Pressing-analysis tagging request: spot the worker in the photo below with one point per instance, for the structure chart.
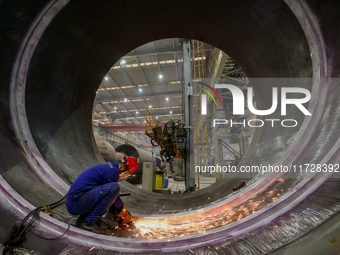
(96, 190)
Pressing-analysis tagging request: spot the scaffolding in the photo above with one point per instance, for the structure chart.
(150, 124)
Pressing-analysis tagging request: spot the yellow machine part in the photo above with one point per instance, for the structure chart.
(178, 155)
(159, 180)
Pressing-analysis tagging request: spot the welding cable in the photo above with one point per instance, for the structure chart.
(22, 230)
(54, 204)
(32, 214)
(18, 233)
(48, 208)
(54, 238)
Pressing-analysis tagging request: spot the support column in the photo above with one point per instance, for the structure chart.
(217, 153)
(188, 117)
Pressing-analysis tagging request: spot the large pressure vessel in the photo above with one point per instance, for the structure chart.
(105, 149)
(140, 155)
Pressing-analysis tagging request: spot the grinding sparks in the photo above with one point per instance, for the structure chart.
(147, 227)
(199, 222)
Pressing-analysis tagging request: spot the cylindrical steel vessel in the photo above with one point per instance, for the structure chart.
(141, 155)
(105, 149)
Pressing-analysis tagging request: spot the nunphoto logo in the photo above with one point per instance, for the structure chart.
(238, 103)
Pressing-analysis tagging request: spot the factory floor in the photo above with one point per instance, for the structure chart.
(177, 185)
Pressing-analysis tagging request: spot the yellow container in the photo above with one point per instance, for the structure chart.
(159, 180)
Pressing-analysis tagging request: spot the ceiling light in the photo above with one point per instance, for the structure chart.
(160, 76)
(136, 112)
(106, 78)
(140, 90)
(122, 62)
(167, 99)
(125, 100)
(170, 112)
(115, 107)
(157, 117)
(150, 106)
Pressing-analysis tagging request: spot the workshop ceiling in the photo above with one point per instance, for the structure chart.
(150, 76)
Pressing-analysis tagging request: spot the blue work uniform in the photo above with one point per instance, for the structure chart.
(94, 192)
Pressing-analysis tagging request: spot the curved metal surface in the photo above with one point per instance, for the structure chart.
(105, 149)
(62, 49)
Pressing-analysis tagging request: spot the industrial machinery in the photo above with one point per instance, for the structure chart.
(142, 156)
(172, 139)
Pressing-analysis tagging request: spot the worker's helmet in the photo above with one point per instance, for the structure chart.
(131, 163)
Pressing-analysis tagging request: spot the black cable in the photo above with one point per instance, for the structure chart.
(53, 204)
(19, 232)
(65, 221)
(34, 211)
(54, 238)
(29, 215)
(33, 222)
(30, 225)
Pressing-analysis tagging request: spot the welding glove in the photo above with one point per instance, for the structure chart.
(124, 217)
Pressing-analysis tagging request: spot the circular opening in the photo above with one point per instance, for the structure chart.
(124, 118)
(79, 57)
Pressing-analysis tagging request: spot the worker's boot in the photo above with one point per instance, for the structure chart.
(95, 227)
(110, 224)
(79, 221)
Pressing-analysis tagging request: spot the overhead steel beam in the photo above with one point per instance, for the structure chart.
(145, 96)
(207, 48)
(124, 127)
